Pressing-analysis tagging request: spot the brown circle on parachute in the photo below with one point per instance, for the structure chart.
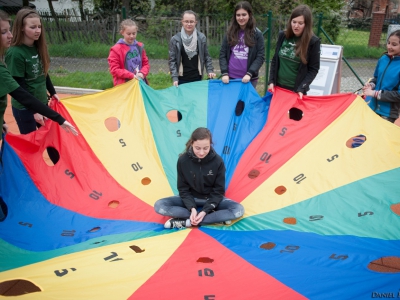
(205, 260)
(112, 124)
(268, 246)
(137, 249)
(280, 190)
(389, 264)
(253, 174)
(290, 221)
(113, 204)
(146, 181)
(18, 287)
(94, 229)
(395, 208)
(174, 116)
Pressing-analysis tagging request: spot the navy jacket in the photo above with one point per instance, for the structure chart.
(307, 72)
(201, 178)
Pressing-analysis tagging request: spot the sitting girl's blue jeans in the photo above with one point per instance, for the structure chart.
(173, 207)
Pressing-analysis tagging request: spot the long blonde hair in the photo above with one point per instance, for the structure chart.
(40, 44)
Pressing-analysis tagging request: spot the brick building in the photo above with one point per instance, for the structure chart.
(365, 8)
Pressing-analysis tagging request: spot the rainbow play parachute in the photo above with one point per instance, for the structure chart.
(319, 179)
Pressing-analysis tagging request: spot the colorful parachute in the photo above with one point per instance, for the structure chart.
(318, 177)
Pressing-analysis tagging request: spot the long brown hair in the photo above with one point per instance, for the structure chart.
(3, 17)
(304, 41)
(40, 44)
(200, 133)
(234, 27)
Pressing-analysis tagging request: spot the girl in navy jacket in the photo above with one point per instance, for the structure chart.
(201, 186)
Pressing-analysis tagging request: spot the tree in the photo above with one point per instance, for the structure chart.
(126, 4)
(325, 6)
(55, 17)
(331, 9)
(133, 7)
(82, 12)
(286, 6)
(216, 7)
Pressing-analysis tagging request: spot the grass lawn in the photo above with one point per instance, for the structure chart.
(102, 80)
(354, 42)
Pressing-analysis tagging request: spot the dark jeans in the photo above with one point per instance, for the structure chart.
(27, 124)
(387, 118)
(173, 207)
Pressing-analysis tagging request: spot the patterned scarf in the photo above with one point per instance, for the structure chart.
(189, 42)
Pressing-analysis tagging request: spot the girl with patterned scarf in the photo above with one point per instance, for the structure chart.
(188, 53)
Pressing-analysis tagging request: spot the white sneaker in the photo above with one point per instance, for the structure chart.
(177, 223)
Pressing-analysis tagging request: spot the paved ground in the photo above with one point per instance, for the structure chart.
(349, 82)
(9, 118)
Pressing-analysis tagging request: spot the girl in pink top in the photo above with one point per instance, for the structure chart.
(127, 58)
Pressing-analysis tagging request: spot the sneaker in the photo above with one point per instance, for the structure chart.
(177, 223)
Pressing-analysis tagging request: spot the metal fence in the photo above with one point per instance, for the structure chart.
(354, 71)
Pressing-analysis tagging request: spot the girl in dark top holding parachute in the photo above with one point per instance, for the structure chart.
(297, 54)
(10, 86)
(242, 51)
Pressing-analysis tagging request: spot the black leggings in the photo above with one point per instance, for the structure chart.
(27, 124)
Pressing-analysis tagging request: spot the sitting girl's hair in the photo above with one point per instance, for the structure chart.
(200, 133)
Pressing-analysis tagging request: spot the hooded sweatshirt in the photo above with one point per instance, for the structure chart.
(126, 60)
